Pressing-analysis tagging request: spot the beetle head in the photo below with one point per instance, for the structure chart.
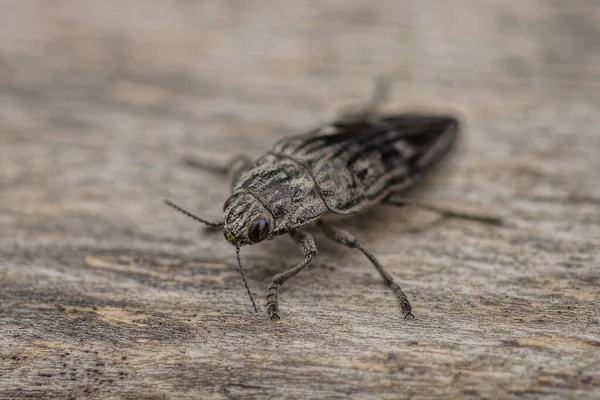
(256, 229)
(246, 220)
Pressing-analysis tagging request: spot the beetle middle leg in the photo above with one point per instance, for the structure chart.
(343, 237)
(309, 249)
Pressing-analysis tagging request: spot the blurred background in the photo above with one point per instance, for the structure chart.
(100, 100)
(105, 93)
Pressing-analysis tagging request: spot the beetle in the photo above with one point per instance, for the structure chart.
(361, 159)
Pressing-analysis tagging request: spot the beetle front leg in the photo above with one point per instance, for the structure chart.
(309, 249)
(345, 238)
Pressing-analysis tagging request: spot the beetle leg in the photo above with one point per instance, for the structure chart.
(232, 169)
(367, 110)
(485, 219)
(345, 238)
(309, 249)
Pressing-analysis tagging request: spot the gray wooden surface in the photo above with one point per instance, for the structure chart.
(107, 293)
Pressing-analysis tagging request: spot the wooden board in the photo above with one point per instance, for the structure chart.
(107, 293)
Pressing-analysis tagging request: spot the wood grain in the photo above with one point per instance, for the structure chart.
(107, 293)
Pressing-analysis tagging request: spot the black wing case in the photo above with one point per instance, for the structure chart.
(355, 165)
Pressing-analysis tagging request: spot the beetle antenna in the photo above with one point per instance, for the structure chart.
(237, 254)
(194, 217)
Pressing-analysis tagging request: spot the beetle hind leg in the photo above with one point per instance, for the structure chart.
(443, 212)
(345, 238)
(366, 111)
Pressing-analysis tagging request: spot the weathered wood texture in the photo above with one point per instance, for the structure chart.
(105, 292)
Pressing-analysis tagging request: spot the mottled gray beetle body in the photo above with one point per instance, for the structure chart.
(342, 168)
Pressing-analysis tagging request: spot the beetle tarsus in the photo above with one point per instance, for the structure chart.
(272, 307)
(402, 300)
(274, 312)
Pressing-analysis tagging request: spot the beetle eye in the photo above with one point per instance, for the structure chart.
(228, 202)
(259, 230)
